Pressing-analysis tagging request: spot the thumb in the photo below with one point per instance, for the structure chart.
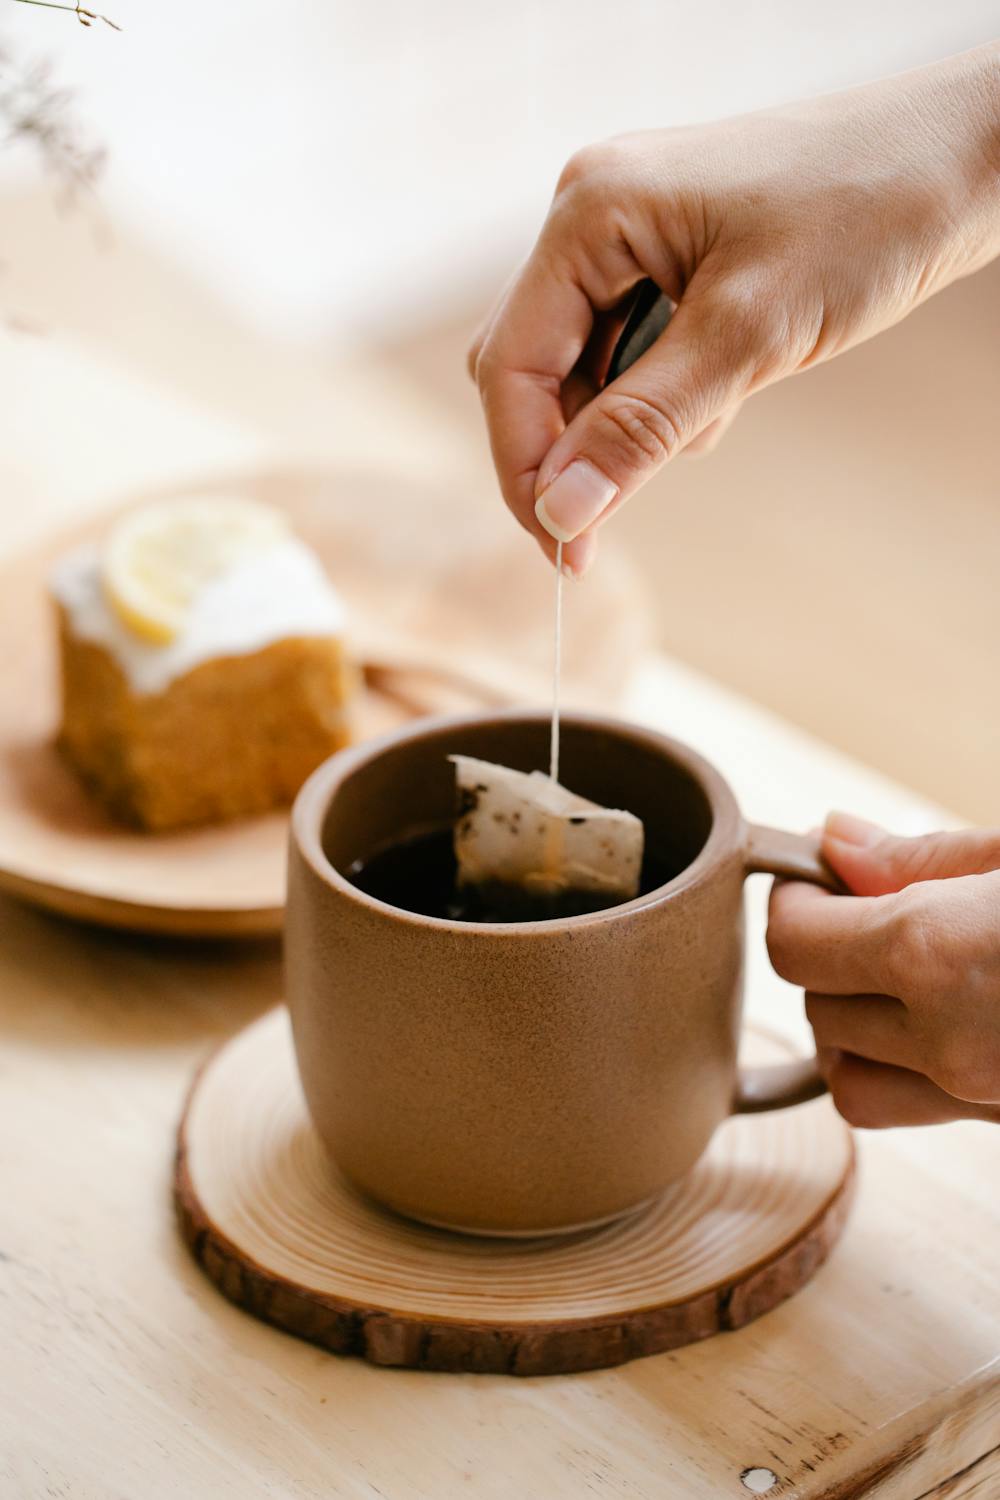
(872, 862)
(700, 366)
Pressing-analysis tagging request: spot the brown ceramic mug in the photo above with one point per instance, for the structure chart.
(534, 1077)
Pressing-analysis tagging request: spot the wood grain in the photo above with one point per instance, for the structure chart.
(456, 640)
(980, 1481)
(921, 1443)
(127, 1375)
(285, 1238)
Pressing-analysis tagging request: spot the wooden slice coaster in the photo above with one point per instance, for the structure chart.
(282, 1236)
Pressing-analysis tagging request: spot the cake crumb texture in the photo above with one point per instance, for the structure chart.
(235, 735)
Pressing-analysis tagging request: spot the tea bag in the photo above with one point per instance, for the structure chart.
(525, 831)
(528, 848)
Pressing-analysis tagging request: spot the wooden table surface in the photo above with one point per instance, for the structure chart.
(125, 1376)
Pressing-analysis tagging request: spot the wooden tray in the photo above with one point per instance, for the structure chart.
(281, 1235)
(450, 608)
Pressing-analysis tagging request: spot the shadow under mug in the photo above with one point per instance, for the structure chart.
(533, 1077)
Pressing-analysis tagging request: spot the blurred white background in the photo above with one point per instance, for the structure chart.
(329, 166)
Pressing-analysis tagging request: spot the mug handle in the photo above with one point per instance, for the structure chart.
(771, 851)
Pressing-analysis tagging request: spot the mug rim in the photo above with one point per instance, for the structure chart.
(315, 797)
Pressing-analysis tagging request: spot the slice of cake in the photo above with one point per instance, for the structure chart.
(203, 667)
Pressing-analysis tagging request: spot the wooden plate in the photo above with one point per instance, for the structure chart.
(281, 1235)
(450, 607)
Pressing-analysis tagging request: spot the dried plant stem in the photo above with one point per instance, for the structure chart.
(36, 112)
(85, 17)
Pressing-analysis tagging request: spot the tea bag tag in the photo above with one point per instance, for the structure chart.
(517, 828)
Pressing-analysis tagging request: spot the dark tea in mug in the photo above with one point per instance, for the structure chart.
(419, 873)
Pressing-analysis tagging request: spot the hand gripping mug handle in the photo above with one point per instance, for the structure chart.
(770, 851)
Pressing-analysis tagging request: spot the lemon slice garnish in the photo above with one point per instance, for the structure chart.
(158, 558)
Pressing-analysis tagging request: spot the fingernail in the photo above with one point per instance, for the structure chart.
(574, 500)
(847, 829)
(578, 556)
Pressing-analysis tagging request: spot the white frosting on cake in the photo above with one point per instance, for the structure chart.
(274, 595)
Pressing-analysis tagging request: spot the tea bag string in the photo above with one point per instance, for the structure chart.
(556, 664)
